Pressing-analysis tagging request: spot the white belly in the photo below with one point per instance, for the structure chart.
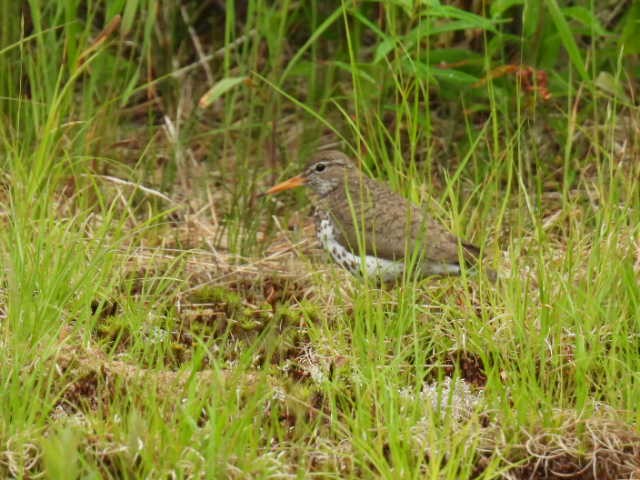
(384, 270)
(380, 268)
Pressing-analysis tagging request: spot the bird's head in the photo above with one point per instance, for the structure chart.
(326, 171)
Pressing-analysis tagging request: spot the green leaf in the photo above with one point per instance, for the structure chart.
(129, 17)
(530, 18)
(454, 76)
(219, 89)
(631, 30)
(386, 46)
(337, 13)
(459, 20)
(498, 7)
(355, 70)
(428, 29)
(568, 41)
(453, 55)
(407, 5)
(587, 18)
(549, 52)
(472, 20)
(448, 75)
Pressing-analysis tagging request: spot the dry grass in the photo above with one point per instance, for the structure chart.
(215, 288)
(160, 319)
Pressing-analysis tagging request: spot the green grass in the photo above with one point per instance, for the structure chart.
(159, 319)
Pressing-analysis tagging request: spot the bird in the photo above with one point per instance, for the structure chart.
(371, 230)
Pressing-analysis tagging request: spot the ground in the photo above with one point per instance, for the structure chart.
(160, 318)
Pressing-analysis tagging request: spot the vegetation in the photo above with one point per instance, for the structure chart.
(160, 319)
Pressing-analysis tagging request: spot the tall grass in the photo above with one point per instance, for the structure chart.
(157, 321)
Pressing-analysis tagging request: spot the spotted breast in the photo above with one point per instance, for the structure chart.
(379, 268)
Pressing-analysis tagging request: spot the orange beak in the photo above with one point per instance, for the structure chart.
(294, 182)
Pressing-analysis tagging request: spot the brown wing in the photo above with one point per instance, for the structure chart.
(389, 226)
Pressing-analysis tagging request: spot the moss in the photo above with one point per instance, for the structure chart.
(114, 328)
(216, 294)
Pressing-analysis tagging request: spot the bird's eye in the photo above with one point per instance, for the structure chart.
(320, 167)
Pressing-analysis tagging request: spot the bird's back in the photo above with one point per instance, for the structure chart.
(368, 214)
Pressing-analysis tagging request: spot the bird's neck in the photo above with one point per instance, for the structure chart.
(353, 191)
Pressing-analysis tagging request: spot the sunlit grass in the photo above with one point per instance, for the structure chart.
(158, 319)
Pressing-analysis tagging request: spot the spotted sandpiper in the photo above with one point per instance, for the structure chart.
(368, 228)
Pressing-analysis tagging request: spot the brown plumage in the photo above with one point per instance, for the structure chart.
(366, 216)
